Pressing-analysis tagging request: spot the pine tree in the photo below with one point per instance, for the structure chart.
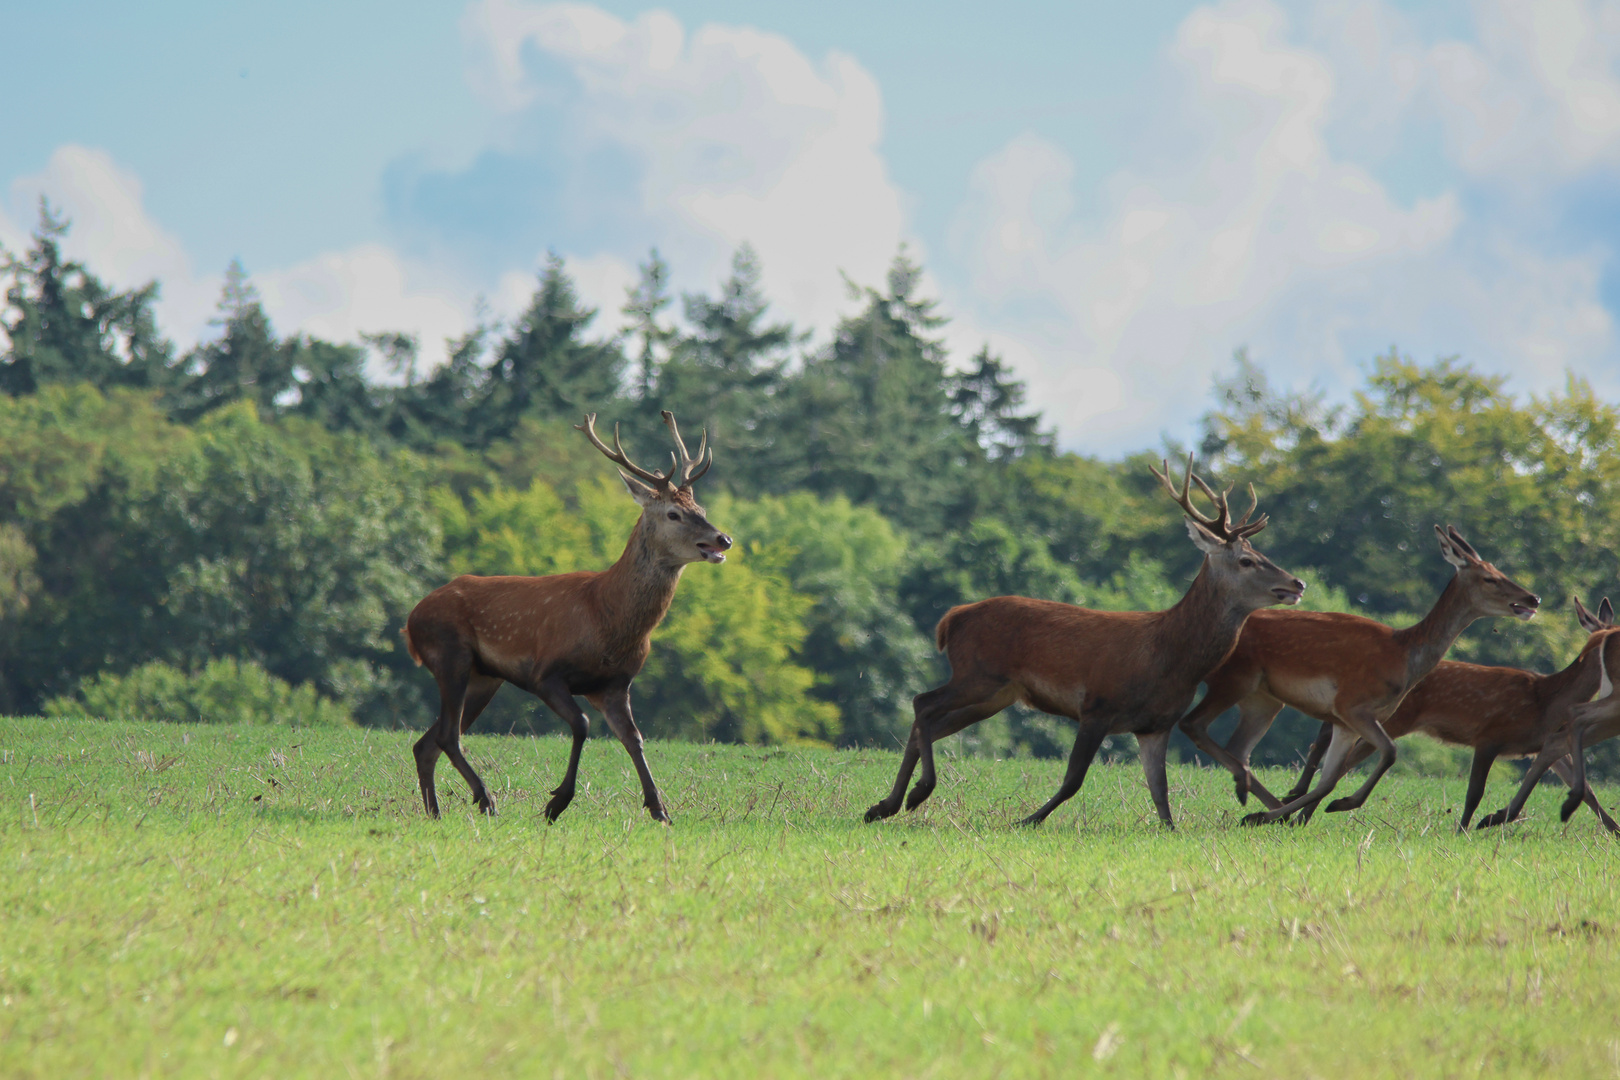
(642, 306)
(546, 368)
(724, 375)
(245, 361)
(986, 400)
(69, 326)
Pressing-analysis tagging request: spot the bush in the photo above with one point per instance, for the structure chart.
(223, 692)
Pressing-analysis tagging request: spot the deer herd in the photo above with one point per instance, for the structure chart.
(587, 634)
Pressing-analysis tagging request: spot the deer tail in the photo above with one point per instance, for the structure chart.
(942, 632)
(410, 646)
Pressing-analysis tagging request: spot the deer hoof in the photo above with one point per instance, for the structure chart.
(558, 803)
(1258, 818)
(1341, 805)
(879, 811)
(918, 795)
(1490, 821)
(1571, 804)
(1031, 821)
(1242, 787)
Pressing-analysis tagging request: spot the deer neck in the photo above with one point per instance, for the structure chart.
(1577, 682)
(1202, 627)
(636, 591)
(1427, 641)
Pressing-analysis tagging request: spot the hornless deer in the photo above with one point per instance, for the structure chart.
(582, 633)
(1589, 723)
(1497, 712)
(1343, 669)
(1112, 671)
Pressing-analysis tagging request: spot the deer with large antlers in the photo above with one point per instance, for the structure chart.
(1497, 712)
(1111, 671)
(586, 633)
(1345, 670)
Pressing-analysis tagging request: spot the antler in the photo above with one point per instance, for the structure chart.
(1223, 525)
(617, 454)
(686, 463)
(684, 466)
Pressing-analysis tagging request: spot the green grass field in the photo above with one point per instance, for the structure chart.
(205, 901)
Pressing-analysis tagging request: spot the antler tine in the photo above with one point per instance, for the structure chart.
(617, 454)
(1183, 497)
(686, 464)
(703, 464)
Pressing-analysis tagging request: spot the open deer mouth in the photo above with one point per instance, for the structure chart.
(1523, 611)
(1287, 596)
(712, 553)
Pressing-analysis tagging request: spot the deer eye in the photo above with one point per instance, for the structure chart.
(1245, 562)
(673, 516)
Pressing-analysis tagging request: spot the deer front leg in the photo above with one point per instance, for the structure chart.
(615, 706)
(554, 693)
(1086, 742)
(1313, 761)
(1152, 750)
(1366, 726)
(1582, 794)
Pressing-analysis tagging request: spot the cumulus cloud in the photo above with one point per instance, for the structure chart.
(1538, 92)
(1250, 230)
(731, 135)
(335, 295)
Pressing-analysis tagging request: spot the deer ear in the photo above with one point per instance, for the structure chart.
(1606, 612)
(642, 493)
(1589, 622)
(1206, 541)
(1450, 551)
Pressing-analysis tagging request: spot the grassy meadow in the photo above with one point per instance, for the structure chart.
(232, 901)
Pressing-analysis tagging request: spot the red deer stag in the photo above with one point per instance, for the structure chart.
(1496, 712)
(582, 633)
(1345, 670)
(1589, 723)
(1112, 671)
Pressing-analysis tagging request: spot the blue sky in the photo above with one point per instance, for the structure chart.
(1114, 196)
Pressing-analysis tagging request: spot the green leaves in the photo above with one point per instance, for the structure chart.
(222, 692)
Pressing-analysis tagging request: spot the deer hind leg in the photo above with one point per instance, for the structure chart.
(458, 687)
(1086, 742)
(556, 696)
(1256, 712)
(1356, 752)
(925, 706)
(615, 706)
(949, 724)
(1334, 765)
(1223, 692)
(480, 688)
(1551, 750)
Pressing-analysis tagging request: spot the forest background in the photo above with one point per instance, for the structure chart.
(238, 531)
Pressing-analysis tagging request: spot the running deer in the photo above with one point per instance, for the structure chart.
(583, 633)
(1345, 670)
(1497, 712)
(1112, 671)
(1590, 722)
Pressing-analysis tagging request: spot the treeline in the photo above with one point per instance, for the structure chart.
(258, 498)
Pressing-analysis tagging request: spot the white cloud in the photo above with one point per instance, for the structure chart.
(1251, 230)
(113, 234)
(335, 295)
(1538, 93)
(737, 135)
